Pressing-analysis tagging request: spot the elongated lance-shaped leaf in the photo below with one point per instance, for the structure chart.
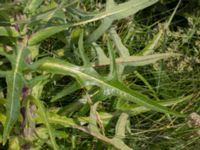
(121, 126)
(66, 122)
(106, 23)
(131, 109)
(137, 60)
(47, 15)
(14, 80)
(82, 50)
(93, 119)
(75, 106)
(126, 60)
(45, 120)
(115, 12)
(135, 109)
(90, 77)
(122, 50)
(72, 122)
(113, 67)
(70, 88)
(101, 55)
(46, 33)
(81, 13)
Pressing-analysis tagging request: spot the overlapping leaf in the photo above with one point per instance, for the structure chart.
(149, 49)
(88, 76)
(45, 120)
(8, 31)
(117, 11)
(66, 122)
(113, 12)
(45, 33)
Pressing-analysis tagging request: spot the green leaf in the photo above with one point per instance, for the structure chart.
(32, 83)
(138, 60)
(33, 5)
(121, 126)
(14, 143)
(8, 31)
(122, 50)
(101, 55)
(89, 77)
(14, 89)
(115, 12)
(106, 23)
(68, 89)
(62, 120)
(147, 84)
(48, 12)
(72, 122)
(149, 49)
(2, 118)
(113, 67)
(82, 51)
(66, 122)
(135, 109)
(116, 142)
(45, 120)
(72, 107)
(93, 119)
(45, 33)
(15, 81)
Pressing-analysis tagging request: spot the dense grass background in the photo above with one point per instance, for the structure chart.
(43, 106)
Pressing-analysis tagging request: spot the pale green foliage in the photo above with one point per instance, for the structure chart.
(69, 72)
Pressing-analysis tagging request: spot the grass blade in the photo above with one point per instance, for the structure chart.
(70, 88)
(149, 49)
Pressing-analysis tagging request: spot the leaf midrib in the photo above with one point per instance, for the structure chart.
(16, 69)
(107, 13)
(14, 78)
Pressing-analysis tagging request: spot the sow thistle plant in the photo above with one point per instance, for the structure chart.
(33, 122)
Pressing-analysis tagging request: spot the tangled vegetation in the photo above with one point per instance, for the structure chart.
(99, 74)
